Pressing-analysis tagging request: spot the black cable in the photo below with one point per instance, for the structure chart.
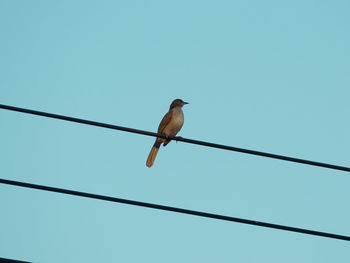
(7, 260)
(174, 209)
(208, 144)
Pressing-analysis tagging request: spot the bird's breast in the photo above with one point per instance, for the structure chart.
(176, 122)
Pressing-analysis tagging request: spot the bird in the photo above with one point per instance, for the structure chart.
(170, 125)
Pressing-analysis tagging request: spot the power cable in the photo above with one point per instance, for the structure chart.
(174, 209)
(176, 138)
(7, 260)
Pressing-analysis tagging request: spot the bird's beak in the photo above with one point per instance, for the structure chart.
(185, 103)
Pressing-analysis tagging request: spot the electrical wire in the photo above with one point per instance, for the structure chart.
(7, 260)
(176, 138)
(174, 209)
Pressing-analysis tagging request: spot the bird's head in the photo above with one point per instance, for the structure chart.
(177, 103)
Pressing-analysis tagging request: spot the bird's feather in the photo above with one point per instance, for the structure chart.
(165, 121)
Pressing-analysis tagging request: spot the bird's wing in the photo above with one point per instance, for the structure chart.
(165, 121)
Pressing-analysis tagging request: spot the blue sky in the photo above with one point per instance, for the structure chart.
(265, 75)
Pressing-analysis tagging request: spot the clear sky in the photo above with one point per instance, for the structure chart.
(265, 75)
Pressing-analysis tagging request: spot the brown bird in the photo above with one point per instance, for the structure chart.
(169, 126)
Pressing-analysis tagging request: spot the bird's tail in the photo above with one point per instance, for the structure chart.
(153, 153)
